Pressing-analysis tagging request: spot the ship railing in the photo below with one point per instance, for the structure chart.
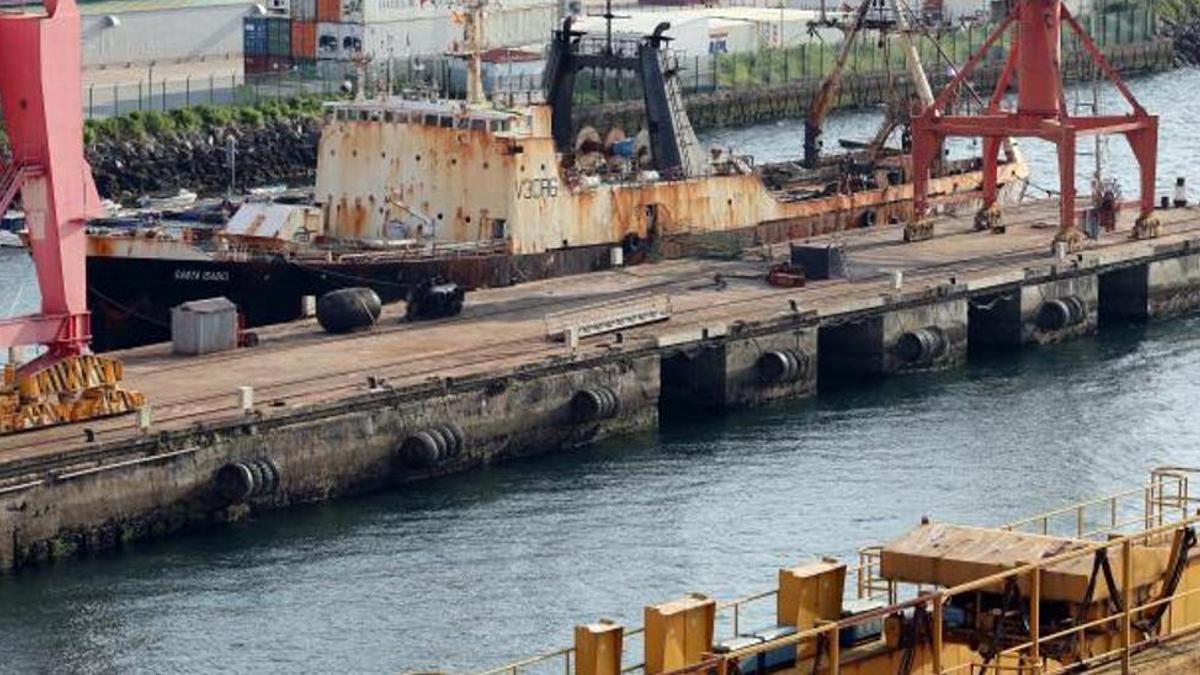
(518, 98)
(438, 251)
(1166, 496)
(1126, 622)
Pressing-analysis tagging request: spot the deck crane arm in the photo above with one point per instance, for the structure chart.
(916, 72)
(826, 96)
(41, 92)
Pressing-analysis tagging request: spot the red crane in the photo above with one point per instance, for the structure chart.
(1041, 112)
(42, 96)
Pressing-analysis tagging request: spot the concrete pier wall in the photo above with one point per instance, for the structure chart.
(314, 455)
(1035, 313)
(740, 372)
(1155, 290)
(925, 337)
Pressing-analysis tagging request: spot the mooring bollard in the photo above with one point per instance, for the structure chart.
(144, 418)
(308, 306)
(1060, 251)
(246, 399)
(571, 337)
(1180, 199)
(897, 279)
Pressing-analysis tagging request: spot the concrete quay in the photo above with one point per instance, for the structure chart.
(341, 415)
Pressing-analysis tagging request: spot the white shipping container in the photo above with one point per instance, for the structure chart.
(329, 41)
(352, 11)
(350, 37)
(304, 10)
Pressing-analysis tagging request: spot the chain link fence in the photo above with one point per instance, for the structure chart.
(1114, 23)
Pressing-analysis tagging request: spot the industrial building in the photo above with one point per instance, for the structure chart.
(120, 33)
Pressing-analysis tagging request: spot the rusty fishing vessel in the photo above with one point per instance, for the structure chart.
(1107, 585)
(491, 193)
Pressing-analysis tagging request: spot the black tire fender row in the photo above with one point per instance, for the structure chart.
(780, 366)
(245, 479)
(594, 404)
(1062, 313)
(428, 447)
(922, 346)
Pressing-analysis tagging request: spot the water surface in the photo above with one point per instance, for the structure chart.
(496, 564)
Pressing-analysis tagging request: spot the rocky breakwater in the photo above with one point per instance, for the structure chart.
(1180, 21)
(163, 153)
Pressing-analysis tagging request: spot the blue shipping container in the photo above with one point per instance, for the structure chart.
(254, 40)
(279, 37)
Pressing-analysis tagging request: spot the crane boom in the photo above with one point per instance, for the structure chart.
(823, 101)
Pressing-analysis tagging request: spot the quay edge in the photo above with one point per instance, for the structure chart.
(174, 481)
(63, 497)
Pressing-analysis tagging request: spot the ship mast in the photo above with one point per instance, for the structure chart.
(473, 41)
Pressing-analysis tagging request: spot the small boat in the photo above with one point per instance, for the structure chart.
(164, 201)
(11, 240)
(12, 221)
(267, 192)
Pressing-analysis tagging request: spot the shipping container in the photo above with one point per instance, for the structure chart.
(256, 64)
(254, 40)
(304, 10)
(259, 65)
(352, 11)
(350, 36)
(329, 11)
(304, 40)
(329, 43)
(279, 37)
(305, 68)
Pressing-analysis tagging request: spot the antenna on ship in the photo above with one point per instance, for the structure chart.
(608, 25)
(608, 39)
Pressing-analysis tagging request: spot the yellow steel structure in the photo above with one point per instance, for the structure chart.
(74, 389)
(1136, 613)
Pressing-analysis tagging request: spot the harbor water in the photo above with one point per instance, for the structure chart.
(477, 569)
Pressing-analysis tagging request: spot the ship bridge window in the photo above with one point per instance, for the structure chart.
(463, 123)
(430, 121)
(495, 125)
(389, 117)
(447, 122)
(376, 115)
(479, 125)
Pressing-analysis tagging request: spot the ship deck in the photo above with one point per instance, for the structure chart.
(504, 329)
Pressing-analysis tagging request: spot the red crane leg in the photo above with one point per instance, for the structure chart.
(1066, 170)
(991, 171)
(42, 95)
(1144, 143)
(925, 144)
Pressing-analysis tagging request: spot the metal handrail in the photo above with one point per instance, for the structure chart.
(937, 600)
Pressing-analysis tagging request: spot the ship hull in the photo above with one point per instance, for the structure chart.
(131, 294)
(130, 298)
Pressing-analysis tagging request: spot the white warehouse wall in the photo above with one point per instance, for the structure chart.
(164, 34)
